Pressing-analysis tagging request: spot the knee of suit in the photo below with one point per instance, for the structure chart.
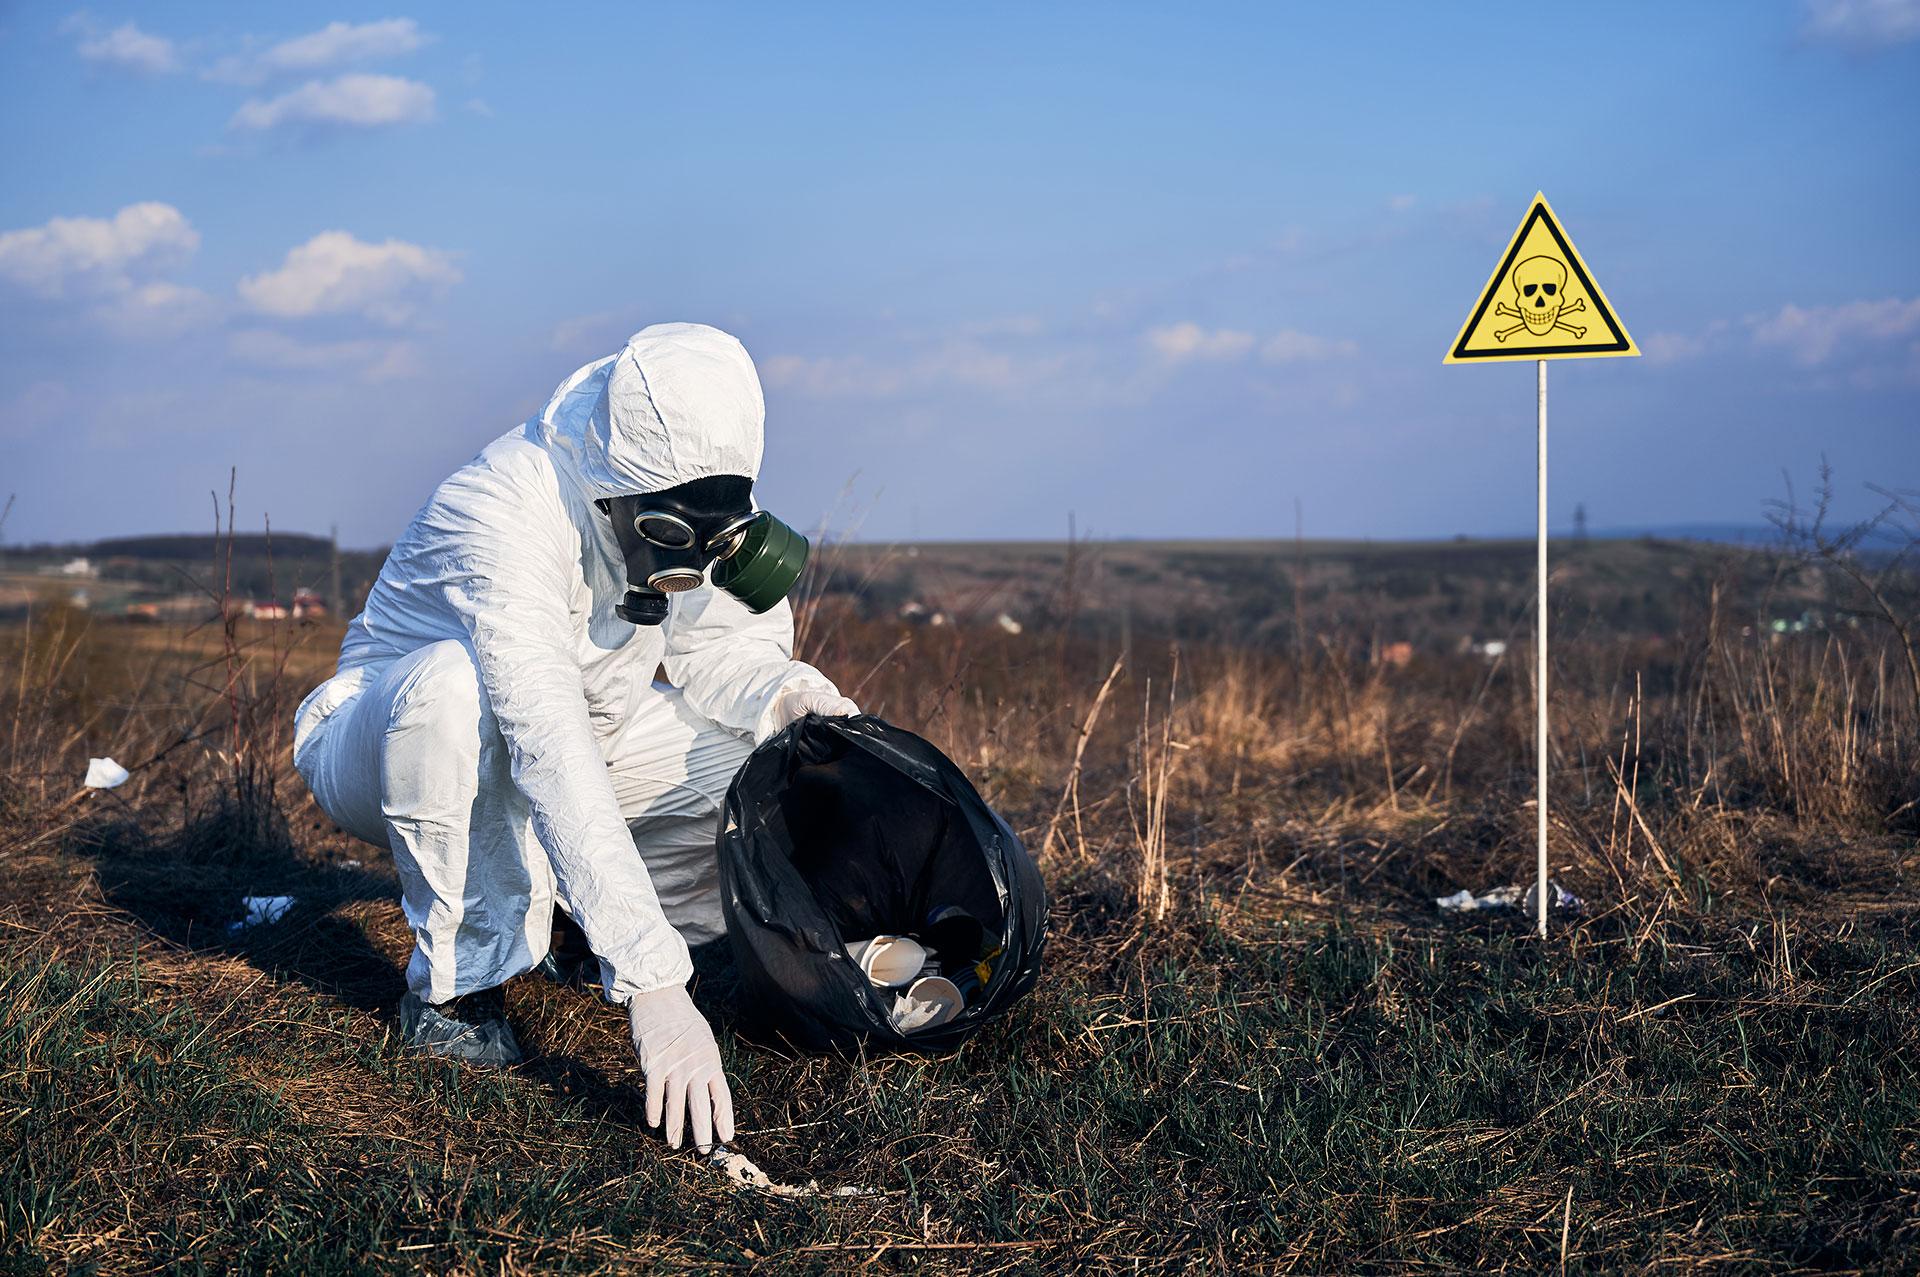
(440, 708)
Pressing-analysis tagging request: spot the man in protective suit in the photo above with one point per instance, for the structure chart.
(495, 719)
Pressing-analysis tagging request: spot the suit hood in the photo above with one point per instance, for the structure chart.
(678, 402)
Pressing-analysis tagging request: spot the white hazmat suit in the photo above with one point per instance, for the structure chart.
(496, 725)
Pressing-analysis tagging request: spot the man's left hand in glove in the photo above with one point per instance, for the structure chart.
(797, 702)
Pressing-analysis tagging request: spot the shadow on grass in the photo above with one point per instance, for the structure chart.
(189, 886)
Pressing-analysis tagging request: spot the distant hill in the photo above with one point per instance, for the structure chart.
(1435, 594)
(1758, 534)
(145, 569)
(187, 546)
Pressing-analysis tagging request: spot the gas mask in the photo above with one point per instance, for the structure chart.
(671, 538)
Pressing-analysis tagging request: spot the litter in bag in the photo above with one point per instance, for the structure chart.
(839, 830)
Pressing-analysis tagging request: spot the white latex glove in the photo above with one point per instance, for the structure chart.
(682, 1064)
(797, 702)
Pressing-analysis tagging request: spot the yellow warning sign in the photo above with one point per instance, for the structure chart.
(1541, 302)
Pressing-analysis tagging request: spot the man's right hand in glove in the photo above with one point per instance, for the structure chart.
(685, 1079)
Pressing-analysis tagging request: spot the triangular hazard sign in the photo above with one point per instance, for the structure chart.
(1541, 303)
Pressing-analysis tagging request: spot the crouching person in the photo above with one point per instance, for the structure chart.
(495, 722)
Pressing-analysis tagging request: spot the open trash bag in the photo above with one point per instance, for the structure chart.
(841, 829)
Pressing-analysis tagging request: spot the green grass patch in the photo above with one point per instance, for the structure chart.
(1190, 1100)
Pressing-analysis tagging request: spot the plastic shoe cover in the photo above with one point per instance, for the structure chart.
(472, 1028)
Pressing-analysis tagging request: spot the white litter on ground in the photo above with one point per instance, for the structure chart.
(261, 910)
(1511, 897)
(104, 773)
(739, 1168)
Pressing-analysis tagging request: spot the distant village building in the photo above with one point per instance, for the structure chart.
(914, 612)
(82, 568)
(1399, 655)
(1809, 620)
(306, 604)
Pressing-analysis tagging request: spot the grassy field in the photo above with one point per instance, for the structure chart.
(1258, 1046)
(1435, 595)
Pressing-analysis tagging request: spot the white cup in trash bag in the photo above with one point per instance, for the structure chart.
(889, 961)
(927, 1003)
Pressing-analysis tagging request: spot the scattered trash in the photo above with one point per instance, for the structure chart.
(1464, 901)
(741, 1170)
(1512, 897)
(261, 910)
(104, 773)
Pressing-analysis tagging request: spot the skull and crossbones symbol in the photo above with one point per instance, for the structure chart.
(1540, 289)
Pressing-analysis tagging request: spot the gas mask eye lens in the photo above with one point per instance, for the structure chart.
(664, 530)
(729, 538)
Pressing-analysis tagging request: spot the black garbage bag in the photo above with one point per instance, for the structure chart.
(841, 829)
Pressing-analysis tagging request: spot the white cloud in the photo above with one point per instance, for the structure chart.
(1807, 337)
(355, 101)
(1811, 335)
(480, 108)
(96, 256)
(372, 359)
(1674, 348)
(971, 364)
(1402, 203)
(338, 44)
(957, 364)
(335, 274)
(156, 311)
(342, 43)
(125, 46)
(832, 376)
(1181, 342)
(1078, 369)
(1863, 24)
(1290, 346)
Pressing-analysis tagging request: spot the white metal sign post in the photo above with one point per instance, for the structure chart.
(1556, 312)
(1540, 665)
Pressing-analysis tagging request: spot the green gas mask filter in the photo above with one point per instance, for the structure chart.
(763, 565)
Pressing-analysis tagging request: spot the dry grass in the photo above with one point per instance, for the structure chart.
(1258, 1047)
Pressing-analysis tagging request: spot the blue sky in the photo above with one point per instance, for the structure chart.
(1169, 270)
